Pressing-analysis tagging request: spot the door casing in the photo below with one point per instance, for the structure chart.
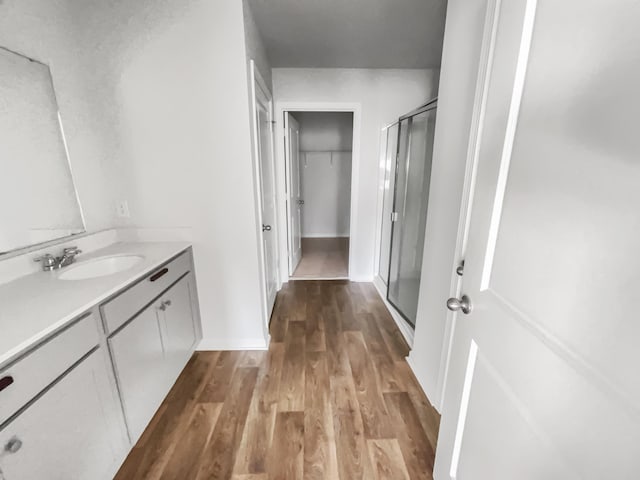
(294, 206)
(283, 169)
(258, 83)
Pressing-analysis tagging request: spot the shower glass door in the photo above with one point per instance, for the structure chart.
(413, 174)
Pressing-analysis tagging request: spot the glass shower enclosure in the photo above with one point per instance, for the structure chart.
(409, 212)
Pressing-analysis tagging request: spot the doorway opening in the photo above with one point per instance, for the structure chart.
(319, 163)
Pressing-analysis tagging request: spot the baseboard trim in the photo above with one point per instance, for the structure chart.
(406, 331)
(212, 344)
(412, 366)
(326, 235)
(361, 279)
(294, 278)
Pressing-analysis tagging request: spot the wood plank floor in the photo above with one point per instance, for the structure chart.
(323, 258)
(333, 398)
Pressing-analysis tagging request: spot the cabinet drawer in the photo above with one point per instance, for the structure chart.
(128, 303)
(71, 432)
(32, 373)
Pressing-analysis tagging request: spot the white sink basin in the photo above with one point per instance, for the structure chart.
(100, 267)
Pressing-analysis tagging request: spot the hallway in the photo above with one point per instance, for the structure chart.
(323, 258)
(332, 398)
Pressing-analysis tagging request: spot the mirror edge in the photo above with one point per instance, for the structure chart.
(4, 255)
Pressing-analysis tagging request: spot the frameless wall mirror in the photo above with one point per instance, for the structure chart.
(38, 200)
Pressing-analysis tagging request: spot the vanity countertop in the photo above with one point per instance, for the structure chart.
(36, 305)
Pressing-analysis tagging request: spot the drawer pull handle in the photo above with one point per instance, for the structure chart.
(163, 306)
(158, 274)
(5, 382)
(13, 445)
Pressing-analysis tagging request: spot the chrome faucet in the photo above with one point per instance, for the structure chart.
(49, 262)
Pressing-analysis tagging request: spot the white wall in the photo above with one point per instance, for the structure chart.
(325, 130)
(326, 190)
(256, 50)
(460, 60)
(177, 89)
(43, 29)
(326, 139)
(382, 96)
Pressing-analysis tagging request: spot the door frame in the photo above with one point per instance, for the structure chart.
(382, 164)
(257, 82)
(283, 170)
(464, 218)
(291, 244)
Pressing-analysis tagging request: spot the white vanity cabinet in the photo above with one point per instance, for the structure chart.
(74, 402)
(150, 349)
(70, 431)
(176, 312)
(138, 359)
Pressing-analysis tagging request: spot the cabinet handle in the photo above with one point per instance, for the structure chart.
(13, 445)
(163, 306)
(158, 274)
(5, 382)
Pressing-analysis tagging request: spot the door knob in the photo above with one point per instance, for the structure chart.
(300, 202)
(463, 304)
(266, 228)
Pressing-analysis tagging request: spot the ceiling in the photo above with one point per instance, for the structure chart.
(351, 33)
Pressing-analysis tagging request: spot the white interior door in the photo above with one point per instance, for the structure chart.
(543, 382)
(264, 137)
(294, 198)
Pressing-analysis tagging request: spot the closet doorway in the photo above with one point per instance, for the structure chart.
(319, 163)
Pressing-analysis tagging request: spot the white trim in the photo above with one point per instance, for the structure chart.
(464, 406)
(361, 279)
(406, 331)
(477, 123)
(297, 279)
(409, 360)
(257, 78)
(256, 81)
(281, 173)
(509, 138)
(325, 235)
(382, 161)
(288, 193)
(216, 344)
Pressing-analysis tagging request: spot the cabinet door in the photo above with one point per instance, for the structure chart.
(180, 333)
(138, 359)
(70, 432)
